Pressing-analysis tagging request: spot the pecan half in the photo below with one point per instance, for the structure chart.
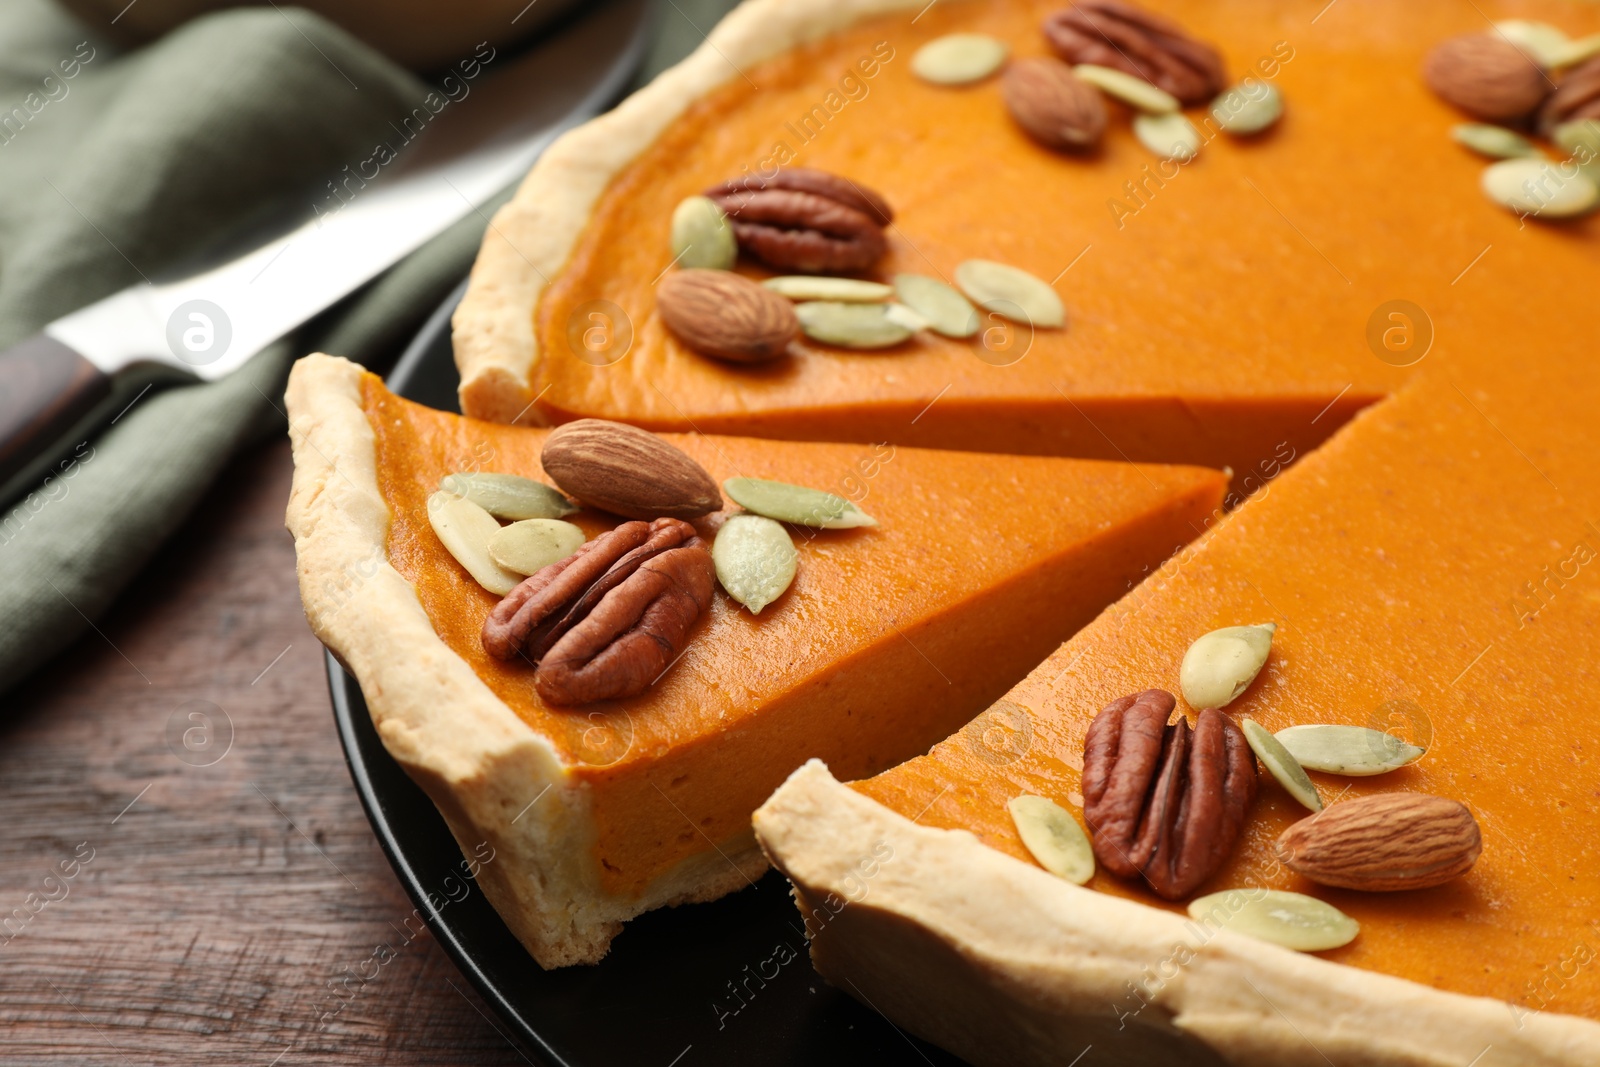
(810, 180)
(805, 220)
(1109, 33)
(1577, 97)
(1163, 801)
(606, 621)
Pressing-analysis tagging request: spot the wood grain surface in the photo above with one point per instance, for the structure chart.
(186, 874)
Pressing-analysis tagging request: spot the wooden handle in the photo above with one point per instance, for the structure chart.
(45, 387)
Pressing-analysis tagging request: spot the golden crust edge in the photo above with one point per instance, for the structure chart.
(1002, 963)
(497, 782)
(530, 238)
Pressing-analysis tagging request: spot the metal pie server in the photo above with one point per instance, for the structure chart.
(62, 384)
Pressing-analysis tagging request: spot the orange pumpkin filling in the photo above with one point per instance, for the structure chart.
(1221, 312)
(889, 638)
(1428, 578)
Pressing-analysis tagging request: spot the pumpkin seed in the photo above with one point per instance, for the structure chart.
(841, 290)
(1292, 920)
(1136, 92)
(701, 236)
(1054, 838)
(465, 529)
(959, 58)
(1170, 136)
(1574, 52)
(946, 310)
(796, 504)
(509, 496)
(1354, 751)
(1011, 292)
(755, 560)
(1222, 664)
(850, 325)
(910, 318)
(1537, 187)
(1281, 765)
(1248, 108)
(531, 545)
(1496, 142)
(1542, 41)
(1580, 139)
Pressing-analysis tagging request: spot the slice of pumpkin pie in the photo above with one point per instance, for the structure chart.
(602, 697)
(1430, 575)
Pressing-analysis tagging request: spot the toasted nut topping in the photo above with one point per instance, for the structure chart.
(1165, 802)
(1138, 43)
(627, 471)
(1487, 77)
(1054, 106)
(611, 618)
(1577, 97)
(1386, 842)
(726, 316)
(806, 220)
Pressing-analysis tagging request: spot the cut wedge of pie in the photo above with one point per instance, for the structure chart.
(1220, 312)
(888, 639)
(1431, 574)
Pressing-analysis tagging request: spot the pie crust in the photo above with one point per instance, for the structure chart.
(1002, 963)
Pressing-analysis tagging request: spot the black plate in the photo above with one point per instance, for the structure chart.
(722, 983)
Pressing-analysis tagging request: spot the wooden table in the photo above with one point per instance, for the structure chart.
(224, 884)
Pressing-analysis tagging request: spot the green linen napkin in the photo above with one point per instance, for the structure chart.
(116, 165)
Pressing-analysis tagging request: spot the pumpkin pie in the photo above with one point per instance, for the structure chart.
(1224, 312)
(1431, 571)
(889, 638)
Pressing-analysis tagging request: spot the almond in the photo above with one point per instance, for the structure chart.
(1055, 106)
(726, 316)
(628, 471)
(1486, 77)
(1384, 842)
